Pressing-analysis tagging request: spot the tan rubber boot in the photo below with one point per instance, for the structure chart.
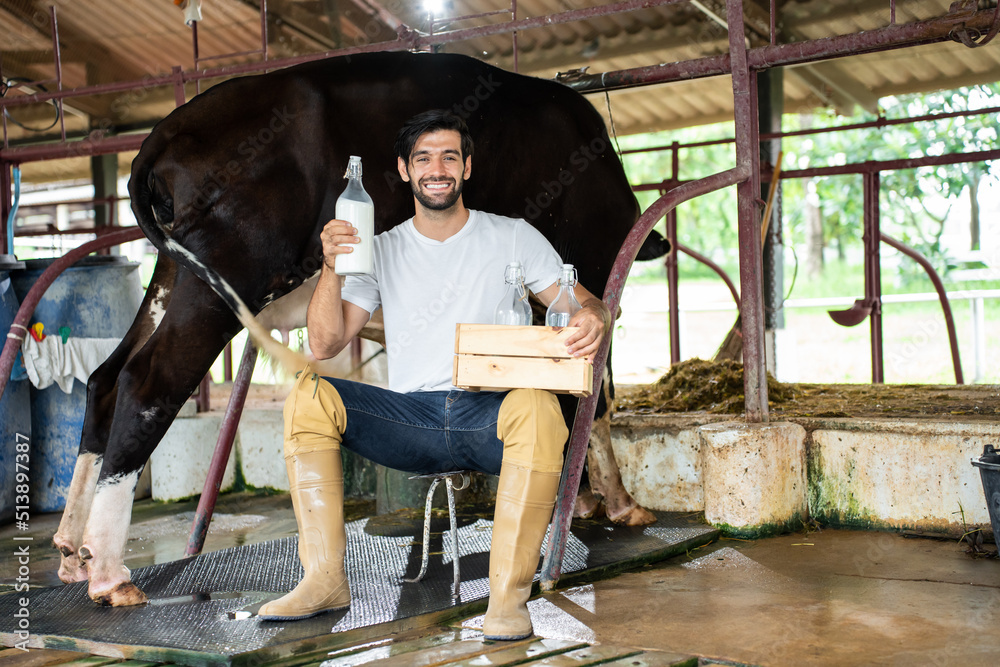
(531, 426)
(524, 507)
(314, 422)
(317, 490)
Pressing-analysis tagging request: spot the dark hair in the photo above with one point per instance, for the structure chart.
(431, 121)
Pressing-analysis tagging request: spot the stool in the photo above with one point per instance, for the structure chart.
(465, 479)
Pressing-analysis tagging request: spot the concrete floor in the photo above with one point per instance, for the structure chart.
(829, 597)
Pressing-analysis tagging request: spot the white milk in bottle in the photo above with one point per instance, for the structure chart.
(356, 207)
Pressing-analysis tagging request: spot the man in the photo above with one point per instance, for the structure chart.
(444, 266)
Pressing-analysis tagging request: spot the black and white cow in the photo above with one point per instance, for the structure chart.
(245, 175)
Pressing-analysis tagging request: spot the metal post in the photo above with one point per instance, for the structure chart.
(673, 275)
(747, 192)
(673, 298)
(6, 204)
(979, 338)
(873, 273)
(770, 89)
(223, 447)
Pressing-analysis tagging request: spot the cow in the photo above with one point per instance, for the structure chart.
(233, 189)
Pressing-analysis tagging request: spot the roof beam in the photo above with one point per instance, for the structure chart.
(835, 88)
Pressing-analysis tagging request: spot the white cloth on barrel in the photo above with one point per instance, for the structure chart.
(53, 362)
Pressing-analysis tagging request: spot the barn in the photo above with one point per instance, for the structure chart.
(789, 205)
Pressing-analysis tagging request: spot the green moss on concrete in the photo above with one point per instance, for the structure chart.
(794, 524)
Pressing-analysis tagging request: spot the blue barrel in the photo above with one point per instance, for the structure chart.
(97, 297)
(15, 404)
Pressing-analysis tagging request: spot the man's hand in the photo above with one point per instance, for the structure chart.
(335, 234)
(593, 319)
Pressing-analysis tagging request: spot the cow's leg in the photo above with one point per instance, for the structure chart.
(102, 391)
(152, 387)
(605, 476)
(606, 479)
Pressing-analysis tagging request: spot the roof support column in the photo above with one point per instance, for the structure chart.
(6, 204)
(747, 193)
(104, 173)
(770, 92)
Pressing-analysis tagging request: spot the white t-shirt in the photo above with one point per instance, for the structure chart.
(426, 287)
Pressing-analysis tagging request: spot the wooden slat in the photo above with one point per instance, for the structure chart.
(37, 657)
(655, 659)
(518, 655)
(446, 654)
(91, 661)
(509, 341)
(589, 655)
(567, 376)
(381, 649)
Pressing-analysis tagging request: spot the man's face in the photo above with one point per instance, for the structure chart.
(435, 170)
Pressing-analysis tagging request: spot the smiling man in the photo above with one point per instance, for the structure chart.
(443, 266)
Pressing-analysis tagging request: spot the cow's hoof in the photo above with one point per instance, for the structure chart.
(125, 594)
(587, 505)
(634, 515)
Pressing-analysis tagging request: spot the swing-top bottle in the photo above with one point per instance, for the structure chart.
(565, 304)
(513, 307)
(356, 207)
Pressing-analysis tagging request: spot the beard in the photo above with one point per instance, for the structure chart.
(442, 202)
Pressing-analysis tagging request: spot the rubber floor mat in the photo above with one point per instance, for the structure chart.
(202, 610)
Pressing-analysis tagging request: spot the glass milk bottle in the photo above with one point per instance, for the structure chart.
(565, 304)
(513, 307)
(356, 207)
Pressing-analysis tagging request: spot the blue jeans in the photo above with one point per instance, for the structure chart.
(422, 432)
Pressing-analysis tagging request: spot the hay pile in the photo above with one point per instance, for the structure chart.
(695, 385)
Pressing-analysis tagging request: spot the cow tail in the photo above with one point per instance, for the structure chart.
(286, 357)
(143, 203)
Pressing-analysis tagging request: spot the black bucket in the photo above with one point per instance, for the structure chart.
(989, 470)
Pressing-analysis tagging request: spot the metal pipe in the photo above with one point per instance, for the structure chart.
(203, 399)
(747, 192)
(673, 289)
(513, 17)
(773, 14)
(223, 448)
(57, 55)
(942, 296)
(894, 165)
(779, 55)
(263, 28)
(573, 463)
(19, 327)
(6, 206)
(873, 271)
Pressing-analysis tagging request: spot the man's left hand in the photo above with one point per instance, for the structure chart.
(593, 319)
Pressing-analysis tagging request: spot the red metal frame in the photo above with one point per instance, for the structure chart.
(223, 448)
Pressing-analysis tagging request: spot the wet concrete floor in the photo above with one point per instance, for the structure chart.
(828, 597)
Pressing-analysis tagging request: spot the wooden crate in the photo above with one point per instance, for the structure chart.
(495, 357)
